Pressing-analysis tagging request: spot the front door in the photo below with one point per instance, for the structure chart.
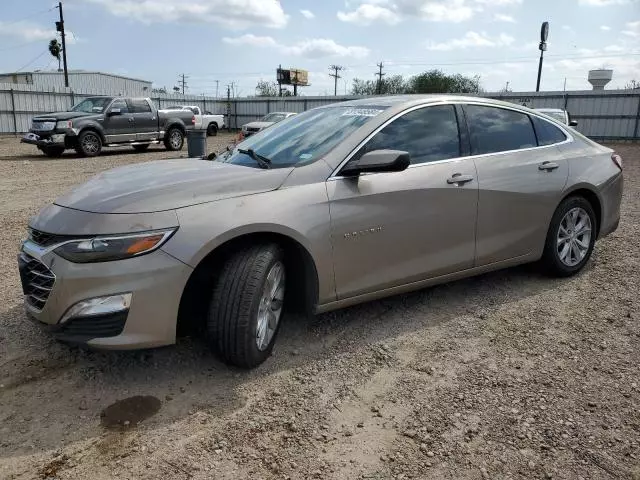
(390, 229)
(520, 177)
(146, 119)
(119, 127)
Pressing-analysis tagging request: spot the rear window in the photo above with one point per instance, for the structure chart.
(495, 129)
(139, 106)
(547, 133)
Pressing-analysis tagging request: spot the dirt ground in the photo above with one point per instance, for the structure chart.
(509, 375)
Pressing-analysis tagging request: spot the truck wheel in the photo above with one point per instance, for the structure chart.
(246, 305)
(174, 139)
(212, 130)
(53, 152)
(89, 144)
(141, 148)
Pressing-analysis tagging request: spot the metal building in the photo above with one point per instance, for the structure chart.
(80, 81)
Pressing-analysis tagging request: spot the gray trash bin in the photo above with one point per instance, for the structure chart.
(196, 143)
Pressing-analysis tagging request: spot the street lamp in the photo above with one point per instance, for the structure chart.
(544, 33)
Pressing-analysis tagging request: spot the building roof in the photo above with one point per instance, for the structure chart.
(76, 72)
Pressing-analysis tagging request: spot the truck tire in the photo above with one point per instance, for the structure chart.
(53, 152)
(89, 144)
(212, 129)
(143, 147)
(174, 139)
(246, 305)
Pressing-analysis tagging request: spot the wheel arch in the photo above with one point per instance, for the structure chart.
(93, 128)
(590, 194)
(302, 276)
(171, 125)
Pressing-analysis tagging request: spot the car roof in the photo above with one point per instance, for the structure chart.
(282, 113)
(551, 110)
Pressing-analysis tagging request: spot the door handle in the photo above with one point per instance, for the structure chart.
(548, 166)
(459, 179)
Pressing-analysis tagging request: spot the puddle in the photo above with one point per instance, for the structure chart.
(129, 412)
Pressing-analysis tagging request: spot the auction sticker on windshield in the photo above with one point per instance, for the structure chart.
(361, 112)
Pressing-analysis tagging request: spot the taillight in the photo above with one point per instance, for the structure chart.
(617, 159)
(193, 120)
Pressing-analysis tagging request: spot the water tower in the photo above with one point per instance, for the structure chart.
(599, 78)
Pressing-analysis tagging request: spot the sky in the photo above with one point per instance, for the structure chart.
(219, 42)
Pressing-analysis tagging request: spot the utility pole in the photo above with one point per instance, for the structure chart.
(60, 28)
(380, 75)
(336, 69)
(217, 82)
(544, 34)
(183, 82)
(229, 108)
(506, 87)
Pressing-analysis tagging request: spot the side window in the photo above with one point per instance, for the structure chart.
(428, 134)
(121, 104)
(140, 106)
(547, 133)
(496, 129)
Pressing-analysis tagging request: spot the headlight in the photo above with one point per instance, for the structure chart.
(113, 247)
(61, 125)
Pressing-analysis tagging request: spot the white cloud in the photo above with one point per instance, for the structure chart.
(234, 14)
(499, 3)
(500, 17)
(604, 3)
(473, 39)
(28, 32)
(311, 48)
(307, 14)
(633, 29)
(367, 14)
(452, 11)
(605, 28)
(614, 48)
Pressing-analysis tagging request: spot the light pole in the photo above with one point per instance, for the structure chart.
(544, 33)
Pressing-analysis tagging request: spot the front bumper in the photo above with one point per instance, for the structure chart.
(45, 140)
(156, 282)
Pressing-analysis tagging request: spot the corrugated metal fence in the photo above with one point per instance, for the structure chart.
(601, 115)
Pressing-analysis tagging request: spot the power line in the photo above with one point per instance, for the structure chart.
(31, 61)
(13, 22)
(32, 42)
(379, 74)
(336, 69)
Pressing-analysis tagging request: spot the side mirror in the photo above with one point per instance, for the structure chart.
(573, 123)
(115, 111)
(378, 161)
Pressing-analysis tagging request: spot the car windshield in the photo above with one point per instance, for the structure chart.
(303, 138)
(273, 117)
(92, 105)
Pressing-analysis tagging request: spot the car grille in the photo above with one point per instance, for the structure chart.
(45, 239)
(98, 326)
(37, 280)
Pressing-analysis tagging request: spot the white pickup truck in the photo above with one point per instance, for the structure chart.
(207, 120)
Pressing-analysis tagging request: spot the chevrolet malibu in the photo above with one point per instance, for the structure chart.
(332, 207)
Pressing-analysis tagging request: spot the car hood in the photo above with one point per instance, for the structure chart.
(259, 124)
(64, 115)
(169, 184)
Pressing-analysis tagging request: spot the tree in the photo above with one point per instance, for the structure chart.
(436, 81)
(159, 90)
(265, 88)
(55, 49)
(632, 85)
(389, 86)
(176, 89)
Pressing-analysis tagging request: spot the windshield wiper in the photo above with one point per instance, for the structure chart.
(263, 161)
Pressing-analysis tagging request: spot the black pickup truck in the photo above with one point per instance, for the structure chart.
(99, 122)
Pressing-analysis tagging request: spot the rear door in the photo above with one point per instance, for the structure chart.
(118, 124)
(519, 180)
(390, 229)
(146, 120)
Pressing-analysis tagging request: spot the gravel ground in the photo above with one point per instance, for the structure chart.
(507, 375)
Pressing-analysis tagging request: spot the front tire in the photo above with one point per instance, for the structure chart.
(212, 130)
(89, 144)
(246, 305)
(174, 139)
(571, 238)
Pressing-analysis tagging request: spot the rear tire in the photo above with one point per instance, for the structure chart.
(247, 304)
(53, 152)
(570, 238)
(174, 139)
(89, 144)
(212, 130)
(141, 148)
